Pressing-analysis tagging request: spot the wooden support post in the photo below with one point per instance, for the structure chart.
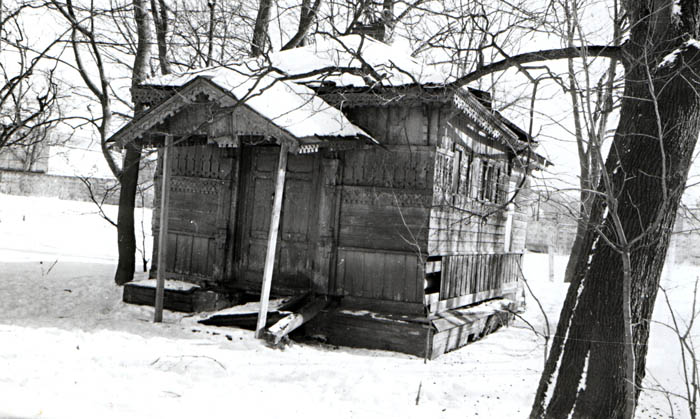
(550, 251)
(272, 240)
(163, 230)
(510, 209)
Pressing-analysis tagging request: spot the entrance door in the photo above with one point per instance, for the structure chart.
(295, 251)
(200, 191)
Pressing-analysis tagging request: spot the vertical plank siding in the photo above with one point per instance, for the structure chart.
(380, 275)
(464, 275)
(385, 198)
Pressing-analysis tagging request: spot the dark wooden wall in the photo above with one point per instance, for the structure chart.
(384, 209)
(395, 125)
(219, 217)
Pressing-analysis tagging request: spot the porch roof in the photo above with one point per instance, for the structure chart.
(294, 110)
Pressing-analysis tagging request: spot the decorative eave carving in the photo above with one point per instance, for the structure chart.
(234, 124)
(485, 121)
(404, 96)
(151, 95)
(187, 95)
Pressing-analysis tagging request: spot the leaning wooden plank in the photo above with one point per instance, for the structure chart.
(285, 326)
(163, 232)
(237, 315)
(272, 240)
(246, 321)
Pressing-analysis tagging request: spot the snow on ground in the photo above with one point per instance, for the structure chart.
(70, 349)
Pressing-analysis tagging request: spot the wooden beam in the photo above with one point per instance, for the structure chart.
(461, 301)
(272, 239)
(286, 325)
(163, 231)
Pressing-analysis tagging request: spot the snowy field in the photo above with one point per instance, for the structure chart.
(70, 349)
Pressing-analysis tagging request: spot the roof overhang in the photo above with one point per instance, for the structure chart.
(147, 129)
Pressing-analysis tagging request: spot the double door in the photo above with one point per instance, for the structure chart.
(294, 256)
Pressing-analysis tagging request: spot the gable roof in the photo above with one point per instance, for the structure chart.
(290, 106)
(295, 110)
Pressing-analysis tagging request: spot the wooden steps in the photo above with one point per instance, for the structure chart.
(183, 298)
(349, 323)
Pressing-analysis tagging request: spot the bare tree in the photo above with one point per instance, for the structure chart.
(599, 350)
(85, 33)
(29, 91)
(598, 353)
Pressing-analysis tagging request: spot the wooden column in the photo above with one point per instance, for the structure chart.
(326, 221)
(272, 240)
(163, 230)
(510, 209)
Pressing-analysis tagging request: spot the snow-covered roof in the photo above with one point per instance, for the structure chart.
(292, 107)
(349, 53)
(275, 86)
(349, 61)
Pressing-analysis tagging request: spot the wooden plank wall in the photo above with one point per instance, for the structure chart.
(465, 219)
(395, 125)
(471, 274)
(520, 215)
(385, 201)
(384, 213)
(380, 275)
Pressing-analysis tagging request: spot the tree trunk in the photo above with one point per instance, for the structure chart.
(210, 34)
(128, 179)
(125, 218)
(260, 31)
(582, 225)
(306, 19)
(648, 164)
(160, 20)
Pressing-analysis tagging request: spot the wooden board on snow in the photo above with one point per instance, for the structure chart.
(246, 315)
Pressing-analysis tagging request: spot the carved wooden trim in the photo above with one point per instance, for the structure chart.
(385, 197)
(185, 96)
(197, 185)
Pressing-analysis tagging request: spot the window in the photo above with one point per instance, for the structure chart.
(467, 175)
(497, 198)
(456, 169)
(483, 180)
(491, 184)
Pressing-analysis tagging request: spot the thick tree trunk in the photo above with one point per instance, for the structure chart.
(125, 218)
(648, 164)
(129, 177)
(260, 31)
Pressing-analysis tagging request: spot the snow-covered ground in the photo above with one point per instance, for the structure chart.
(70, 349)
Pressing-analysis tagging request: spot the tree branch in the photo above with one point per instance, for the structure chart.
(543, 55)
